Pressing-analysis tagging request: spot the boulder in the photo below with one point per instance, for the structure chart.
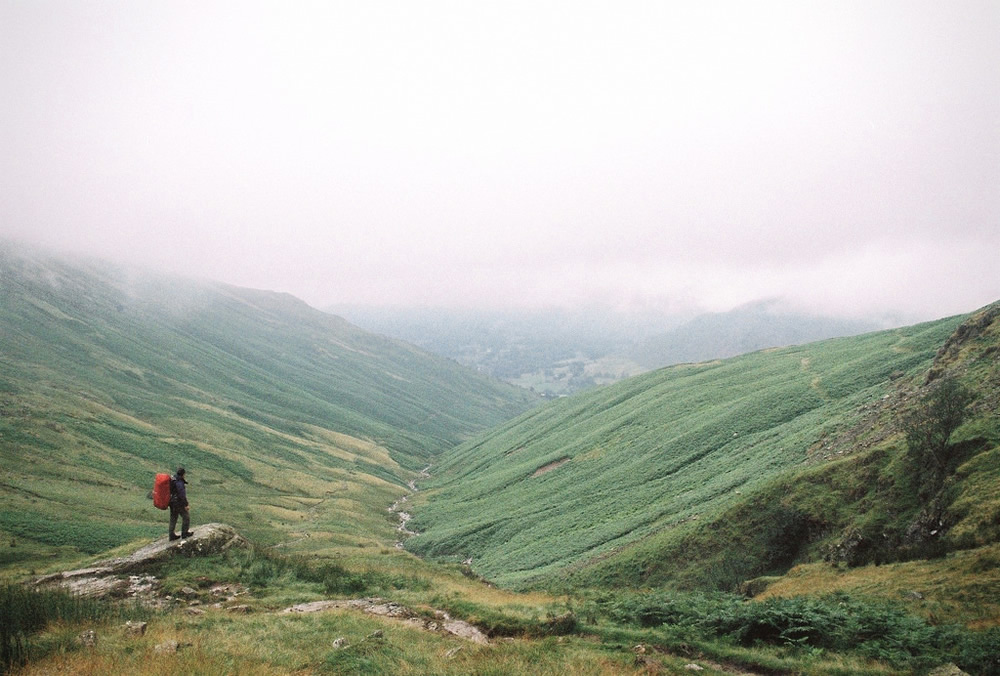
(947, 670)
(211, 538)
(96, 586)
(751, 588)
(135, 628)
(167, 647)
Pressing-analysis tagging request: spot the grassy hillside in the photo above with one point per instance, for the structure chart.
(291, 422)
(603, 484)
(862, 499)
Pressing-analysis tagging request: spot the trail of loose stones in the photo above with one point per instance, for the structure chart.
(404, 517)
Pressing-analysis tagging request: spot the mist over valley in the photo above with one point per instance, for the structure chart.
(560, 351)
(500, 338)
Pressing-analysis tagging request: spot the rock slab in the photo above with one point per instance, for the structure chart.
(100, 579)
(377, 606)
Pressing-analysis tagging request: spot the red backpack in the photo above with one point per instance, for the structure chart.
(161, 491)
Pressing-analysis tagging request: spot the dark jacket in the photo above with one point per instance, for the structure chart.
(178, 493)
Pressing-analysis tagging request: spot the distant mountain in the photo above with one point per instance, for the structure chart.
(554, 352)
(560, 351)
(108, 375)
(748, 328)
(709, 474)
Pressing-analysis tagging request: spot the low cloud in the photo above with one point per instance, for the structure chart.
(670, 154)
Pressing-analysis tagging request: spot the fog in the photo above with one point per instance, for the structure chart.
(680, 156)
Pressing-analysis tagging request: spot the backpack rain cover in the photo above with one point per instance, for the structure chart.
(161, 491)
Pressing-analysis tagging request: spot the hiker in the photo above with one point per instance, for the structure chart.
(179, 505)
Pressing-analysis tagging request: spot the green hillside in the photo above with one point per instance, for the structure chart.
(634, 483)
(280, 412)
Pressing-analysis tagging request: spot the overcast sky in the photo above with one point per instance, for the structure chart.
(844, 155)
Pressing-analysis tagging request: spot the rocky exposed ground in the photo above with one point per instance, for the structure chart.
(404, 516)
(125, 578)
(440, 621)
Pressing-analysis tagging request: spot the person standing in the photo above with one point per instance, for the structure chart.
(179, 505)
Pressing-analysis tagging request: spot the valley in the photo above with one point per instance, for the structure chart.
(755, 514)
(557, 352)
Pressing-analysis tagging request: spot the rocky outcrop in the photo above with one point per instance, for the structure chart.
(441, 622)
(106, 578)
(980, 325)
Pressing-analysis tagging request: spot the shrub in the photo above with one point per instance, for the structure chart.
(837, 622)
(261, 567)
(974, 652)
(929, 426)
(659, 608)
(373, 655)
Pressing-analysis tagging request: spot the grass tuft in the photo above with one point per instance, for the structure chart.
(24, 612)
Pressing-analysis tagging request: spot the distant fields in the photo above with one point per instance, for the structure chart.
(653, 453)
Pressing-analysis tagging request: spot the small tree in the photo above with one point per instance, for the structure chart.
(928, 428)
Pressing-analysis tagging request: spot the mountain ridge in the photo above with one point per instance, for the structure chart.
(748, 328)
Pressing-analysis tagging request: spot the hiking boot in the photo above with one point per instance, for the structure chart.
(187, 534)
(175, 537)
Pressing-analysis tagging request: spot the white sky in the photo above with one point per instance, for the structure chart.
(840, 154)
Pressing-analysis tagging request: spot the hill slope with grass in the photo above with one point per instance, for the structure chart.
(282, 414)
(870, 493)
(708, 475)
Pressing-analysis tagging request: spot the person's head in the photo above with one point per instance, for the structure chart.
(180, 472)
